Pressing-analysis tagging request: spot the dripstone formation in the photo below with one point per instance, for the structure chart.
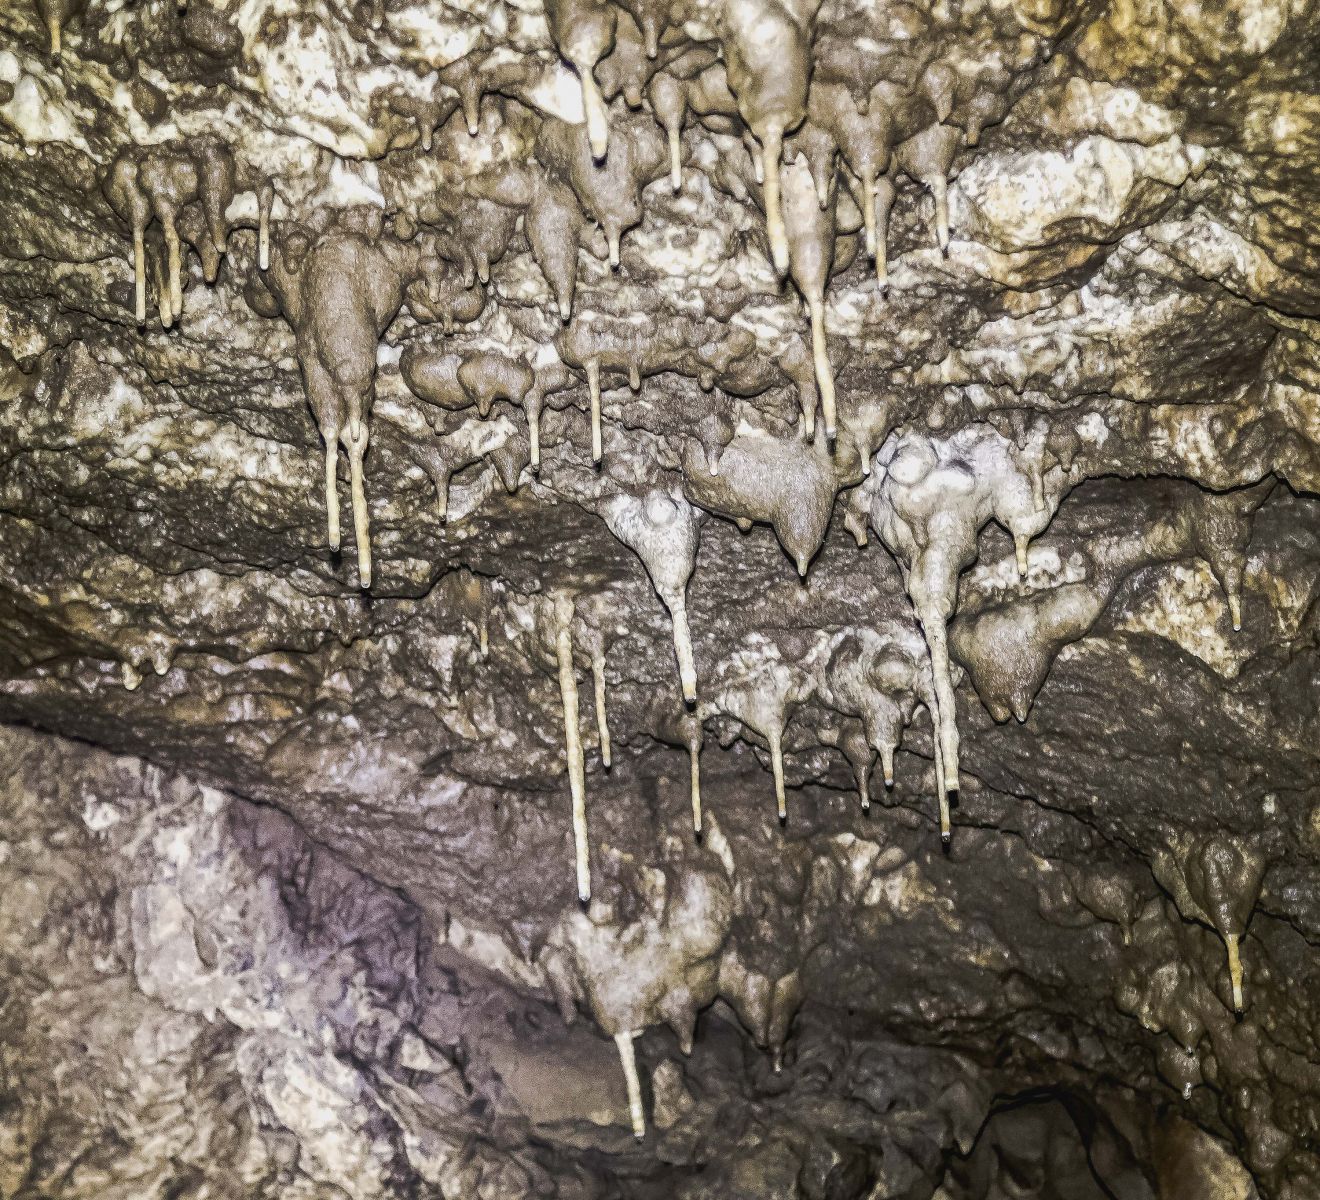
(660, 598)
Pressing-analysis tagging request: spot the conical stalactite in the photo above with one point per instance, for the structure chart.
(930, 500)
(584, 31)
(766, 50)
(759, 689)
(779, 481)
(561, 618)
(663, 529)
(669, 104)
(1224, 880)
(928, 158)
(313, 282)
(810, 232)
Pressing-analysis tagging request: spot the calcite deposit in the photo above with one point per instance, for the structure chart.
(815, 689)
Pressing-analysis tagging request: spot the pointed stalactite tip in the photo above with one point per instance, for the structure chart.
(1235, 971)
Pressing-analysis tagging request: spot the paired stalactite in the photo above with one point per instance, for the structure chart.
(928, 506)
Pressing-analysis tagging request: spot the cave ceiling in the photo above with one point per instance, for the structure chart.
(688, 598)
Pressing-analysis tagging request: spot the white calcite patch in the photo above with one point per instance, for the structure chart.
(1099, 188)
(1187, 607)
(1116, 112)
(39, 110)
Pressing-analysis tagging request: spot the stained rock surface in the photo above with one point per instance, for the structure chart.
(703, 598)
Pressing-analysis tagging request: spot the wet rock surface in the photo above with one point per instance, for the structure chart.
(521, 528)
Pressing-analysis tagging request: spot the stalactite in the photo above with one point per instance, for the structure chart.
(884, 202)
(265, 203)
(661, 529)
(928, 157)
(602, 719)
(593, 385)
(628, 1057)
(1234, 969)
(175, 266)
(140, 274)
(532, 406)
(162, 183)
(357, 448)
(775, 737)
(687, 667)
(928, 508)
(821, 359)
(332, 492)
(55, 13)
(767, 56)
(164, 297)
(694, 780)
(669, 103)
(1222, 881)
(811, 233)
(887, 764)
(585, 31)
(568, 695)
(338, 327)
(772, 142)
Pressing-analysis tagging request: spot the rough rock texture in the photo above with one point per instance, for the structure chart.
(900, 419)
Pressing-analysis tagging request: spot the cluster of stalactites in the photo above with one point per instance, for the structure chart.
(798, 126)
(55, 13)
(567, 634)
(869, 682)
(874, 680)
(187, 189)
